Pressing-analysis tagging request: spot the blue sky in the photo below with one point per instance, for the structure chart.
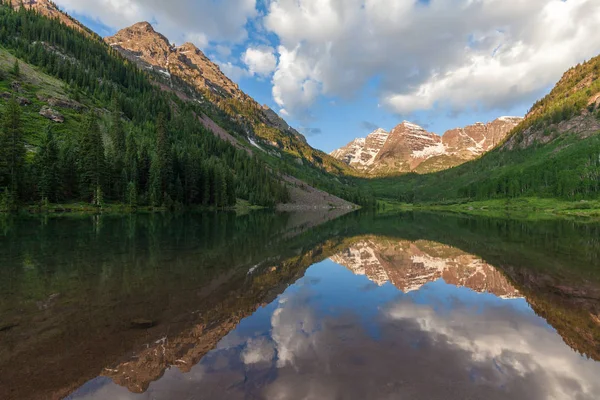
(336, 69)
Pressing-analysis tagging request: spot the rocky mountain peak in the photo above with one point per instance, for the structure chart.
(361, 152)
(143, 26)
(410, 147)
(141, 44)
(407, 126)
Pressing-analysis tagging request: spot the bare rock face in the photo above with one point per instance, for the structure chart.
(409, 265)
(361, 152)
(64, 103)
(407, 146)
(141, 44)
(49, 9)
(150, 50)
(52, 115)
(23, 101)
(410, 148)
(479, 138)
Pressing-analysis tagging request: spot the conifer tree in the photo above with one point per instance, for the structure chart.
(47, 166)
(16, 69)
(12, 148)
(117, 136)
(117, 132)
(132, 195)
(92, 162)
(163, 150)
(131, 159)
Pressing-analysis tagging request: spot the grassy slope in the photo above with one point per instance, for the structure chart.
(33, 84)
(524, 208)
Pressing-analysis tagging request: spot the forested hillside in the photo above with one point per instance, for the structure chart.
(81, 123)
(554, 152)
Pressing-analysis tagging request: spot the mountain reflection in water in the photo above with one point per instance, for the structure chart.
(359, 307)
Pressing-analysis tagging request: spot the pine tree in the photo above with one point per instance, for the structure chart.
(117, 133)
(119, 147)
(16, 69)
(132, 195)
(92, 162)
(163, 150)
(155, 188)
(47, 166)
(12, 148)
(131, 159)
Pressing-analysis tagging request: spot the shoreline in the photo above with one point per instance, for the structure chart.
(520, 208)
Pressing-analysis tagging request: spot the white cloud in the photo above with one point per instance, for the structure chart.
(456, 54)
(200, 21)
(258, 351)
(260, 60)
(294, 88)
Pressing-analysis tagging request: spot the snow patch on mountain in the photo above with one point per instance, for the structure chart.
(428, 152)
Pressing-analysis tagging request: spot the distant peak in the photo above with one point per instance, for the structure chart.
(411, 126)
(143, 25)
(188, 46)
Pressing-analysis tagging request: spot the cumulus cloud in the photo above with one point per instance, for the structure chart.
(260, 60)
(294, 85)
(257, 351)
(199, 21)
(454, 54)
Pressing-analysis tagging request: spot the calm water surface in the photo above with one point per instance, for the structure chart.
(299, 306)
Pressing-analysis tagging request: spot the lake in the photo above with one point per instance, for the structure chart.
(298, 306)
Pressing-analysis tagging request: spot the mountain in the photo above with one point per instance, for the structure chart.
(572, 107)
(50, 10)
(151, 50)
(409, 265)
(167, 130)
(410, 148)
(186, 70)
(553, 153)
(361, 152)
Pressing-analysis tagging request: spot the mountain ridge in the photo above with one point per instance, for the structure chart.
(408, 147)
(188, 66)
(49, 9)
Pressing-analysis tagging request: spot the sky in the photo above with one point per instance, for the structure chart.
(339, 69)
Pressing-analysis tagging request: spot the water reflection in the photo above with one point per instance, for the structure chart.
(381, 319)
(299, 307)
(409, 265)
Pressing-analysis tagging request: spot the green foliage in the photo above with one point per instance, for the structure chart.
(12, 149)
(46, 167)
(132, 195)
(569, 98)
(92, 164)
(567, 168)
(167, 156)
(16, 69)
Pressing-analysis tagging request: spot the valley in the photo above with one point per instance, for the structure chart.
(222, 149)
(170, 228)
